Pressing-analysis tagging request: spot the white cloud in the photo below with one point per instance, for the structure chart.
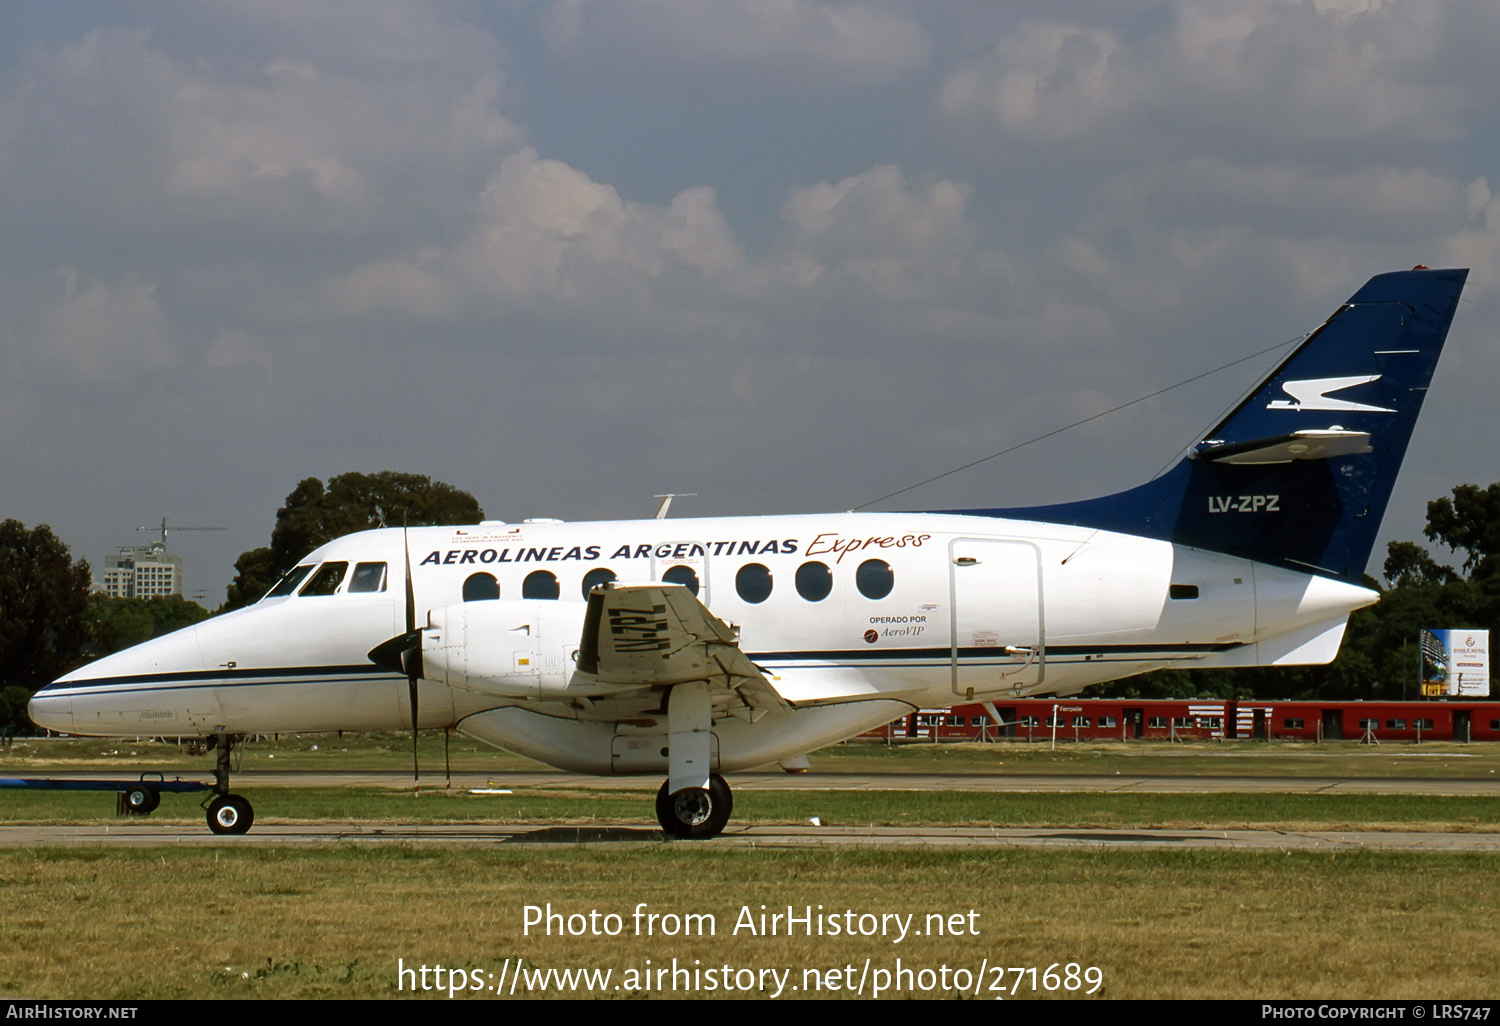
(549, 236)
(775, 42)
(875, 211)
(414, 286)
(96, 331)
(897, 241)
(1477, 198)
(1361, 203)
(769, 258)
(314, 141)
(296, 125)
(549, 231)
(400, 37)
(549, 240)
(1272, 73)
(1047, 79)
(234, 349)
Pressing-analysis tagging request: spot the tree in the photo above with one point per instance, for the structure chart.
(314, 514)
(254, 574)
(118, 623)
(1378, 656)
(1470, 521)
(115, 624)
(1407, 563)
(43, 595)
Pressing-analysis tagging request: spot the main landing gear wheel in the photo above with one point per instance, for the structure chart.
(230, 814)
(695, 813)
(142, 800)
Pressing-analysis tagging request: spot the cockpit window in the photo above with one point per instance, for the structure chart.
(368, 577)
(289, 583)
(327, 580)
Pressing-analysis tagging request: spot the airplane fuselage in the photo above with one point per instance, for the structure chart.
(854, 619)
(698, 647)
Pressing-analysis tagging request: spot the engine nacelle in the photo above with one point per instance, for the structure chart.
(515, 649)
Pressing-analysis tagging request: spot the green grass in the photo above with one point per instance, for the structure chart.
(239, 922)
(392, 751)
(330, 922)
(322, 752)
(1158, 758)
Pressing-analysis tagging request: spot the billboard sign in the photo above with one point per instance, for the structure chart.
(1456, 663)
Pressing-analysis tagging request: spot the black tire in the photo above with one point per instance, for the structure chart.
(717, 781)
(230, 814)
(695, 814)
(142, 800)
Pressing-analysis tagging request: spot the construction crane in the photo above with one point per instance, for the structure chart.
(163, 530)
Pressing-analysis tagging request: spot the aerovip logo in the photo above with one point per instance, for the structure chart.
(1312, 394)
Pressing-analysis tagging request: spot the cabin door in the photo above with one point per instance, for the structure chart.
(997, 635)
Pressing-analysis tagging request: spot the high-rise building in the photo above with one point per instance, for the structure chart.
(142, 571)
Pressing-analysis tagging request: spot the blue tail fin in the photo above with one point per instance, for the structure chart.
(1300, 473)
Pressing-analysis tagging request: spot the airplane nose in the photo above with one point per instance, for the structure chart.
(107, 696)
(54, 712)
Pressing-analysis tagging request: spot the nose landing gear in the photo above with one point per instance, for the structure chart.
(230, 814)
(227, 813)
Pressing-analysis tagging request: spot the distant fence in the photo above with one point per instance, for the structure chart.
(1107, 719)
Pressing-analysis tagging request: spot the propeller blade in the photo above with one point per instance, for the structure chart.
(412, 657)
(416, 776)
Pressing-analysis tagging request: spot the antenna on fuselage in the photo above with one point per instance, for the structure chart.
(666, 502)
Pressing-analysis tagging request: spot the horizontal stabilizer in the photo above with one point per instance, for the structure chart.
(1299, 445)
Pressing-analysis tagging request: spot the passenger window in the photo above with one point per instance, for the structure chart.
(367, 577)
(288, 584)
(540, 584)
(595, 577)
(683, 575)
(874, 578)
(814, 581)
(753, 583)
(481, 587)
(327, 580)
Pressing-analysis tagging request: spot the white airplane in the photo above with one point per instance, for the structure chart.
(694, 648)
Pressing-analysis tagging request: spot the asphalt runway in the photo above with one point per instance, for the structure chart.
(985, 782)
(146, 833)
(143, 833)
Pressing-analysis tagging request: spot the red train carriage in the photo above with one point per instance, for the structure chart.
(1109, 719)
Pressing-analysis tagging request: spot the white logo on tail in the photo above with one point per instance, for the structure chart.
(1312, 394)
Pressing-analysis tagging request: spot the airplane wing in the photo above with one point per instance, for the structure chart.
(659, 635)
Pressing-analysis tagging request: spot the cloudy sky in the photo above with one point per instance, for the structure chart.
(790, 255)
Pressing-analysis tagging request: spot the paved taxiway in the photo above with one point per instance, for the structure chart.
(145, 832)
(248, 781)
